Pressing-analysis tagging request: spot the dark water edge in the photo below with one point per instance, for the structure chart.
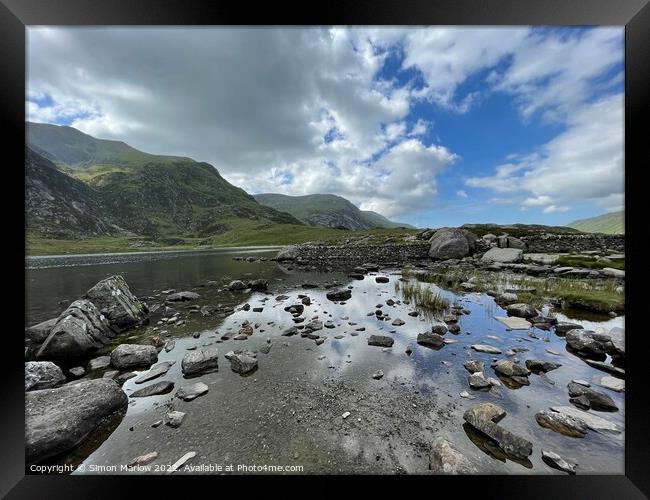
(289, 411)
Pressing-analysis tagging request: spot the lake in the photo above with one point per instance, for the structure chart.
(289, 413)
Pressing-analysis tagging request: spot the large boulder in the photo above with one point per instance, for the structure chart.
(36, 334)
(42, 375)
(503, 255)
(452, 243)
(127, 356)
(57, 420)
(79, 330)
(290, 252)
(117, 303)
(183, 296)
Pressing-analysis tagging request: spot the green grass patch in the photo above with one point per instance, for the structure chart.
(589, 262)
(423, 297)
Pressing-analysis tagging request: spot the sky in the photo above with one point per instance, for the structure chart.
(432, 126)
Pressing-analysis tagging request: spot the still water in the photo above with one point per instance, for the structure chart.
(290, 410)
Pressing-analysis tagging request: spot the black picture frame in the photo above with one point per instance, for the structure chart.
(15, 15)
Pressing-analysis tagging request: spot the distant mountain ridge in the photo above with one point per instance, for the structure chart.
(327, 210)
(609, 223)
(151, 195)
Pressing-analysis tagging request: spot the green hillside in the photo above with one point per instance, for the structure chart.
(160, 197)
(326, 210)
(71, 147)
(610, 223)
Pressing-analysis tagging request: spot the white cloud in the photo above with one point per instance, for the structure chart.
(461, 193)
(551, 209)
(582, 164)
(305, 110)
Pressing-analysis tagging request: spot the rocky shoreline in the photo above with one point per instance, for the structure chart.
(59, 373)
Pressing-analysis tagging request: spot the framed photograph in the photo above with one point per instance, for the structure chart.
(380, 240)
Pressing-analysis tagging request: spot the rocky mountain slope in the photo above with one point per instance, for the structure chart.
(150, 195)
(59, 206)
(326, 210)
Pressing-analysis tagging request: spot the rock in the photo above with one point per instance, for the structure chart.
(521, 310)
(557, 462)
(452, 243)
(183, 296)
(143, 459)
(295, 308)
(563, 327)
(614, 273)
(397, 322)
(381, 279)
(78, 331)
(485, 348)
(112, 374)
(237, 285)
(156, 371)
(380, 340)
(466, 395)
(200, 361)
(42, 375)
(597, 401)
(503, 255)
(340, 294)
(57, 420)
(513, 322)
(600, 365)
(430, 339)
(511, 369)
(191, 391)
(123, 377)
(378, 374)
(127, 356)
(589, 344)
(174, 418)
(162, 387)
(77, 371)
(484, 417)
(445, 459)
(507, 298)
(243, 363)
(562, 423)
(439, 327)
(345, 415)
(314, 325)
(509, 242)
(477, 380)
(473, 366)
(613, 383)
(99, 363)
(169, 345)
(592, 421)
(290, 331)
(290, 252)
(537, 365)
(36, 334)
(258, 285)
(246, 330)
(117, 303)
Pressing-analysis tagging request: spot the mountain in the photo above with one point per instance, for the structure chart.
(151, 195)
(326, 210)
(609, 223)
(74, 149)
(58, 206)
